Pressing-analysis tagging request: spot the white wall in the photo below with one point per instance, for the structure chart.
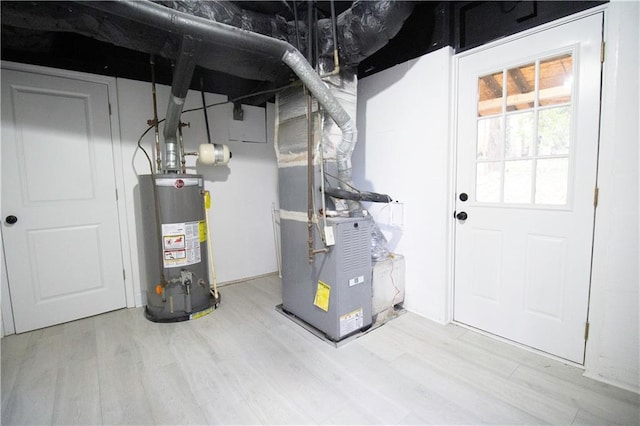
(614, 342)
(403, 150)
(242, 193)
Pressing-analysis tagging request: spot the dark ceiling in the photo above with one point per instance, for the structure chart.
(70, 50)
(431, 25)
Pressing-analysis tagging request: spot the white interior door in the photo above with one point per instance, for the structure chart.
(63, 252)
(527, 150)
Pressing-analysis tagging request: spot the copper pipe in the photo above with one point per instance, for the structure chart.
(310, 176)
(155, 112)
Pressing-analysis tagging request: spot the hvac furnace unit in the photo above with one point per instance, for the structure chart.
(332, 293)
(175, 246)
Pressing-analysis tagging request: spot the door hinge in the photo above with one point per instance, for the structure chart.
(596, 193)
(586, 331)
(116, 195)
(124, 274)
(110, 108)
(602, 46)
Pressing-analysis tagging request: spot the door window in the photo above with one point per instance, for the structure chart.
(523, 143)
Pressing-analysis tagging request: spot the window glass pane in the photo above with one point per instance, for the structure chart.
(520, 87)
(517, 181)
(490, 94)
(554, 131)
(519, 135)
(489, 145)
(488, 182)
(556, 80)
(551, 181)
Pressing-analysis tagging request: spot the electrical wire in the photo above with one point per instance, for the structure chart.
(144, 150)
(250, 95)
(393, 283)
(342, 181)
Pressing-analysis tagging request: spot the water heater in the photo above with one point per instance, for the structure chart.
(175, 247)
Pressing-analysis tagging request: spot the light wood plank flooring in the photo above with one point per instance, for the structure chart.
(247, 364)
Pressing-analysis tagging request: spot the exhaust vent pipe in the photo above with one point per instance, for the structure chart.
(183, 72)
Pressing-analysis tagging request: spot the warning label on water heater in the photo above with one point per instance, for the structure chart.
(181, 244)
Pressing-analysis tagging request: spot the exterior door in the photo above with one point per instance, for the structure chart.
(528, 116)
(59, 220)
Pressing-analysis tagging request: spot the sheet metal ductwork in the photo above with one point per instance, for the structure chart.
(224, 37)
(362, 29)
(193, 27)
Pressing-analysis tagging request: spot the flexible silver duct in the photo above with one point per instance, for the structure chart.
(176, 22)
(301, 67)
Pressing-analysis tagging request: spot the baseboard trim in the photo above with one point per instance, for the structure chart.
(242, 280)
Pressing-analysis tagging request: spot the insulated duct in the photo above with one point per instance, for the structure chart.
(146, 12)
(362, 29)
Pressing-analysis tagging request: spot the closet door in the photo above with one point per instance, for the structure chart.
(59, 210)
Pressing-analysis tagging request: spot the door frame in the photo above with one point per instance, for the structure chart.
(8, 326)
(453, 153)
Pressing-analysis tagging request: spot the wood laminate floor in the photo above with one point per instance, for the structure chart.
(247, 364)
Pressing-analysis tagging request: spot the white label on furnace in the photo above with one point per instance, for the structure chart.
(351, 322)
(356, 280)
(180, 244)
(328, 236)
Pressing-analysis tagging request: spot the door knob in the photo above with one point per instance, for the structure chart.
(11, 219)
(462, 216)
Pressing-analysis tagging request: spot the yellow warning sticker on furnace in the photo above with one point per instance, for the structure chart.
(322, 296)
(202, 231)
